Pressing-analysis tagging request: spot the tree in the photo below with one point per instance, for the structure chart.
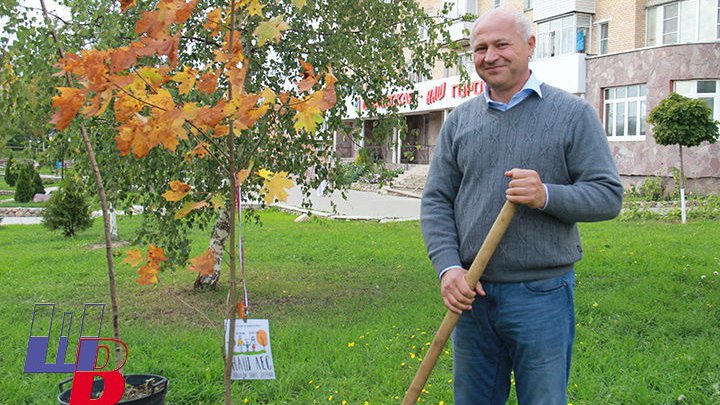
(24, 187)
(682, 121)
(67, 209)
(10, 172)
(236, 112)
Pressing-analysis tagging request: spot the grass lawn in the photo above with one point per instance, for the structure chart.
(353, 305)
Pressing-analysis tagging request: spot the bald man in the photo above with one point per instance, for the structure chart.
(545, 150)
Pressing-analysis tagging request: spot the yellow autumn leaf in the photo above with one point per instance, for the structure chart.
(133, 257)
(275, 187)
(253, 7)
(265, 174)
(186, 79)
(188, 207)
(299, 3)
(217, 201)
(242, 175)
(307, 120)
(270, 30)
(178, 190)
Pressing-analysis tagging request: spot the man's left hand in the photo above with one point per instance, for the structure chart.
(526, 188)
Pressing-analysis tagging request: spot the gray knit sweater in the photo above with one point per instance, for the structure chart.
(561, 138)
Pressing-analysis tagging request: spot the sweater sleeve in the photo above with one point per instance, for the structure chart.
(595, 192)
(437, 209)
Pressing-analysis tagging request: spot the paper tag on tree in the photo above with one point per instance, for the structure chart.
(252, 356)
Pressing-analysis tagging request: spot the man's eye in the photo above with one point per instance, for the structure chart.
(481, 49)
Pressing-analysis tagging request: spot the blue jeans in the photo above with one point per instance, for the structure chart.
(527, 328)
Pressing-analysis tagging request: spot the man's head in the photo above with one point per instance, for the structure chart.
(502, 45)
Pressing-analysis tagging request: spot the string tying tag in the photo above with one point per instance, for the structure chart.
(242, 307)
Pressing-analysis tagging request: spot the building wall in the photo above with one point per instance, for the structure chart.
(626, 24)
(658, 67)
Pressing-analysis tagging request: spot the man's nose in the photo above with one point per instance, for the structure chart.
(491, 55)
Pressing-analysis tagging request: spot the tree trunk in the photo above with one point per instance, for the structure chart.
(103, 202)
(683, 212)
(217, 245)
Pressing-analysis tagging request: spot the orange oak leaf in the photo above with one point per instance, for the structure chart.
(204, 263)
(309, 78)
(178, 191)
(200, 151)
(126, 4)
(68, 102)
(98, 104)
(270, 30)
(122, 58)
(241, 311)
(133, 257)
(242, 175)
(275, 187)
(207, 83)
(156, 254)
(213, 22)
(148, 273)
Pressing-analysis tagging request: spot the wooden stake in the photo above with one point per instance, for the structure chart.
(451, 318)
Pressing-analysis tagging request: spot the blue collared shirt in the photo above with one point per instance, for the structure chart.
(531, 85)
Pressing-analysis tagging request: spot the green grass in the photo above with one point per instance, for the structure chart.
(353, 305)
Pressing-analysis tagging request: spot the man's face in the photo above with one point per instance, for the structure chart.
(500, 55)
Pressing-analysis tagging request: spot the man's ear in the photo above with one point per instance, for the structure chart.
(531, 44)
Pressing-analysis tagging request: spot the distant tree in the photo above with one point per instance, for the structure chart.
(37, 182)
(10, 174)
(24, 189)
(683, 121)
(67, 209)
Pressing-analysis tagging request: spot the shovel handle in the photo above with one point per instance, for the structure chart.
(448, 324)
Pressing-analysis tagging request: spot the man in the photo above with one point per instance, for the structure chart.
(541, 148)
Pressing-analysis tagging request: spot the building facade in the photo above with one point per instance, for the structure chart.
(622, 56)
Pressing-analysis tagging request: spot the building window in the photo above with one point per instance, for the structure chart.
(625, 112)
(497, 3)
(705, 90)
(562, 36)
(466, 61)
(528, 5)
(459, 8)
(682, 22)
(603, 38)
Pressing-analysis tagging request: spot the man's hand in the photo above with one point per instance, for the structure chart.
(526, 188)
(456, 294)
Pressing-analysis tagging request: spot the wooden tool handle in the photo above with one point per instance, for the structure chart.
(471, 277)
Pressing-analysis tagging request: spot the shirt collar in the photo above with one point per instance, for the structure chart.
(532, 84)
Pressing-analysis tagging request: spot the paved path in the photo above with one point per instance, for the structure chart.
(360, 205)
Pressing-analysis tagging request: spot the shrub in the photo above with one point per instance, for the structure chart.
(37, 182)
(10, 172)
(67, 209)
(652, 189)
(24, 188)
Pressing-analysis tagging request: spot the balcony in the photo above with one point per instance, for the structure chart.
(546, 9)
(460, 31)
(564, 71)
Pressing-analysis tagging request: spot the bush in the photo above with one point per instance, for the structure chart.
(67, 209)
(37, 183)
(24, 188)
(10, 172)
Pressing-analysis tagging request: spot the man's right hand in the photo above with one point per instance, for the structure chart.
(456, 294)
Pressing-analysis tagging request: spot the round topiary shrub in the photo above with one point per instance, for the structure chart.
(67, 209)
